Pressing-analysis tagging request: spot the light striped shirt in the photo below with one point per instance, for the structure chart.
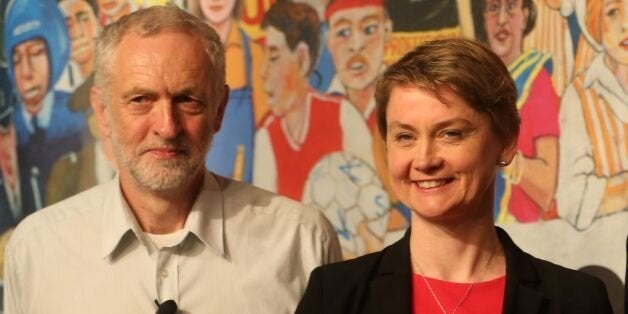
(593, 147)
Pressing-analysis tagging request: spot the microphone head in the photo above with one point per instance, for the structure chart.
(167, 307)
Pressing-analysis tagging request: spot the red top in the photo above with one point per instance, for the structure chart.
(484, 297)
(324, 136)
(539, 117)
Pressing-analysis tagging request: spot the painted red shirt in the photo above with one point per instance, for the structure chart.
(539, 117)
(324, 136)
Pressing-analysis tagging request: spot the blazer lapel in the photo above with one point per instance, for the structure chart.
(521, 295)
(391, 288)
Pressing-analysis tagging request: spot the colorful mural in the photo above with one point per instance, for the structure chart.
(300, 119)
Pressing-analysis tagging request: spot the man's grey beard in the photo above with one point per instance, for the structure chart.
(160, 175)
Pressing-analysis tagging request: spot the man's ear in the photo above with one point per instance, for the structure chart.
(303, 58)
(220, 110)
(96, 98)
(387, 29)
(328, 37)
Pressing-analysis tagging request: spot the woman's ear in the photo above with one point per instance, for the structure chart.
(509, 150)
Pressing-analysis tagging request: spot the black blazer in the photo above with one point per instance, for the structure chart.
(381, 283)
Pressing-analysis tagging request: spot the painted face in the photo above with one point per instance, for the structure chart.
(217, 11)
(356, 40)
(161, 114)
(111, 8)
(442, 156)
(505, 21)
(82, 26)
(32, 72)
(615, 30)
(281, 73)
(8, 155)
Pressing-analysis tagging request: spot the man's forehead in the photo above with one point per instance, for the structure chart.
(159, 53)
(74, 7)
(356, 14)
(31, 43)
(274, 38)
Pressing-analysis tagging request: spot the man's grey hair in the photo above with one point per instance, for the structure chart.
(150, 22)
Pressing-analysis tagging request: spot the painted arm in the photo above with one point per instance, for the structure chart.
(539, 173)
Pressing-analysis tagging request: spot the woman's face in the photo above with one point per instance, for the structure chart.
(217, 11)
(441, 156)
(615, 30)
(505, 21)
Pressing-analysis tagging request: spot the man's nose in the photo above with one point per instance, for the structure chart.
(25, 67)
(502, 15)
(168, 124)
(356, 41)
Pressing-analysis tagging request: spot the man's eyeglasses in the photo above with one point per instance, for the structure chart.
(494, 7)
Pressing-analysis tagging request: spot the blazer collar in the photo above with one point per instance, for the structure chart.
(521, 279)
(391, 288)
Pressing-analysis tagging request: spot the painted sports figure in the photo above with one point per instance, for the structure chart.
(38, 47)
(304, 125)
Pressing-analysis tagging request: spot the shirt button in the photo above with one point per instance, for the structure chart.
(163, 273)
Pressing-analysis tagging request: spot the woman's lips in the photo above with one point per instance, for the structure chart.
(502, 35)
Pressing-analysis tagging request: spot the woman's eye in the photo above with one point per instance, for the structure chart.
(612, 12)
(452, 134)
(403, 138)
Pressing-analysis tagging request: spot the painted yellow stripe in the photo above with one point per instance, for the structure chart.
(525, 90)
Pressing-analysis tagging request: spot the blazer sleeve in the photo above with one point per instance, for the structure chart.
(601, 301)
(312, 300)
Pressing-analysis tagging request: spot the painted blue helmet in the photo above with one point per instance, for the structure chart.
(29, 19)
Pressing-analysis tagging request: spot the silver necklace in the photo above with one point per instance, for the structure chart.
(466, 293)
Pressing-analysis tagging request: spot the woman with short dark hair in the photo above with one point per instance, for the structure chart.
(448, 116)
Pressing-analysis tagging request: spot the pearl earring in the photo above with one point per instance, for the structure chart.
(502, 164)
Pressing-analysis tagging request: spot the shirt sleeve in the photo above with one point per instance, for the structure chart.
(539, 114)
(332, 252)
(12, 283)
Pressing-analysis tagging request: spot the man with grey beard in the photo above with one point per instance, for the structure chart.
(164, 232)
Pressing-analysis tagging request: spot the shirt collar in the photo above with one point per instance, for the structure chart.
(117, 218)
(205, 221)
(607, 85)
(234, 37)
(43, 116)
(336, 87)
(598, 71)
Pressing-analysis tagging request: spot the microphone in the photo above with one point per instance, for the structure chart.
(167, 307)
